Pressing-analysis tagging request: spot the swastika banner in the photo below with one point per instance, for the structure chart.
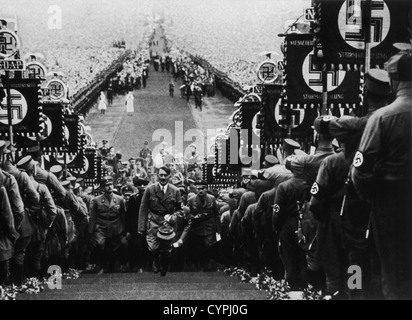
(304, 80)
(72, 133)
(89, 170)
(50, 133)
(270, 97)
(343, 24)
(73, 162)
(52, 127)
(25, 112)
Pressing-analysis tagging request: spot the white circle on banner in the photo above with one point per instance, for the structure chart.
(46, 128)
(358, 159)
(86, 166)
(268, 72)
(36, 70)
(313, 77)
(254, 124)
(66, 133)
(19, 108)
(57, 89)
(69, 158)
(350, 23)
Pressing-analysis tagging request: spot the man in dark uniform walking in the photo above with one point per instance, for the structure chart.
(107, 224)
(204, 214)
(160, 201)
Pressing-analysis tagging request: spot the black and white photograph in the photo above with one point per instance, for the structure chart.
(206, 157)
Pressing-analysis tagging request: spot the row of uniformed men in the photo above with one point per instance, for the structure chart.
(42, 218)
(314, 217)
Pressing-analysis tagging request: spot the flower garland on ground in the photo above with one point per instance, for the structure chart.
(277, 289)
(32, 286)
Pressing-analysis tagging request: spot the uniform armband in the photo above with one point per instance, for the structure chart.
(318, 191)
(363, 162)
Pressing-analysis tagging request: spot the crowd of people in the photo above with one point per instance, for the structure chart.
(240, 40)
(305, 217)
(80, 49)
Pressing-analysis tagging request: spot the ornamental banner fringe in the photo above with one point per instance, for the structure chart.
(304, 77)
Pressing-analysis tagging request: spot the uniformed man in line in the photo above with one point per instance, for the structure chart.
(30, 198)
(59, 172)
(7, 236)
(235, 229)
(354, 212)
(328, 196)
(288, 148)
(41, 217)
(85, 195)
(273, 171)
(250, 250)
(160, 201)
(382, 174)
(43, 176)
(107, 225)
(267, 178)
(77, 213)
(13, 193)
(82, 241)
(136, 255)
(265, 237)
(205, 225)
(308, 166)
(286, 208)
(56, 240)
(181, 222)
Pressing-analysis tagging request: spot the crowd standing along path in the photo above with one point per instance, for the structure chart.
(154, 110)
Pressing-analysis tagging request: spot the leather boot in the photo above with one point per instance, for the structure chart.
(164, 262)
(156, 261)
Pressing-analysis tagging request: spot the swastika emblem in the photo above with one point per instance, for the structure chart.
(297, 116)
(358, 159)
(267, 72)
(36, 70)
(276, 208)
(315, 188)
(19, 108)
(313, 77)
(9, 43)
(350, 23)
(57, 89)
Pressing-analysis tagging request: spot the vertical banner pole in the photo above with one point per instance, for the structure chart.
(9, 111)
(367, 27)
(324, 109)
